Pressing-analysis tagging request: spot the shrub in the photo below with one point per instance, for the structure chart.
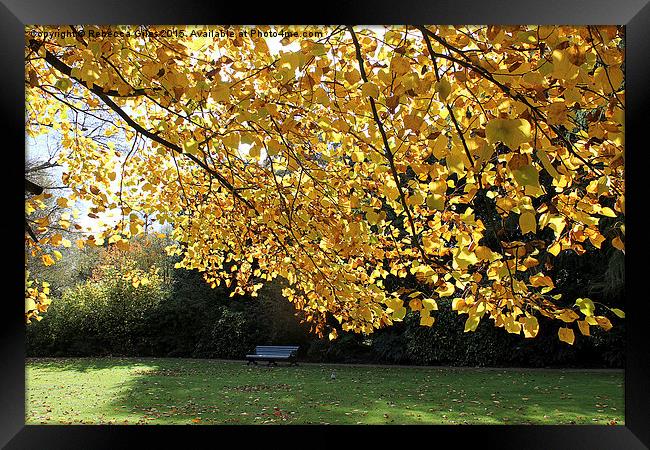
(232, 336)
(98, 317)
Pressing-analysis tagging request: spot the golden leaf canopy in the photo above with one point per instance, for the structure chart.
(342, 159)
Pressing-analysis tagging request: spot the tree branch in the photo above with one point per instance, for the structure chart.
(33, 188)
(30, 231)
(59, 65)
(387, 150)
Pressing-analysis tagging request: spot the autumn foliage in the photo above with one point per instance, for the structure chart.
(467, 158)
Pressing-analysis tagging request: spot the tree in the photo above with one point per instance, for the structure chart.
(464, 158)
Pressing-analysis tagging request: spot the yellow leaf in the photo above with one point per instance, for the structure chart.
(557, 113)
(457, 304)
(596, 238)
(566, 335)
(399, 65)
(151, 69)
(443, 88)
(352, 76)
(527, 175)
(436, 202)
(584, 327)
(456, 161)
(541, 280)
(546, 162)
(609, 77)
(483, 253)
(254, 152)
(557, 224)
(231, 140)
(191, 147)
(465, 258)
(563, 69)
(412, 122)
(63, 84)
(426, 320)
(607, 212)
(586, 306)
(512, 132)
(415, 304)
(370, 89)
(429, 304)
(604, 323)
(568, 316)
(399, 314)
(472, 322)
(317, 49)
(47, 260)
(273, 147)
(365, 313)
(531, 327)
(511, 325)
(321, 97)
(221, 93)
(358, 156)
(30, 305)
(619, 313)
(446, 290)
(372, 217)
(56, 239)
(527, 223)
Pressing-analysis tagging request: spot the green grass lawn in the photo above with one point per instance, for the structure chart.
(186, 391)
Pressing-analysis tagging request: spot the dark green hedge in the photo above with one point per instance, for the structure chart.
(446, 343)
(196, 321)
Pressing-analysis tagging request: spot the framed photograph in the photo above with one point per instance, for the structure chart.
(379, 214)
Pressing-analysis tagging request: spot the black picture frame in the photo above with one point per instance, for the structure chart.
(634, 14)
